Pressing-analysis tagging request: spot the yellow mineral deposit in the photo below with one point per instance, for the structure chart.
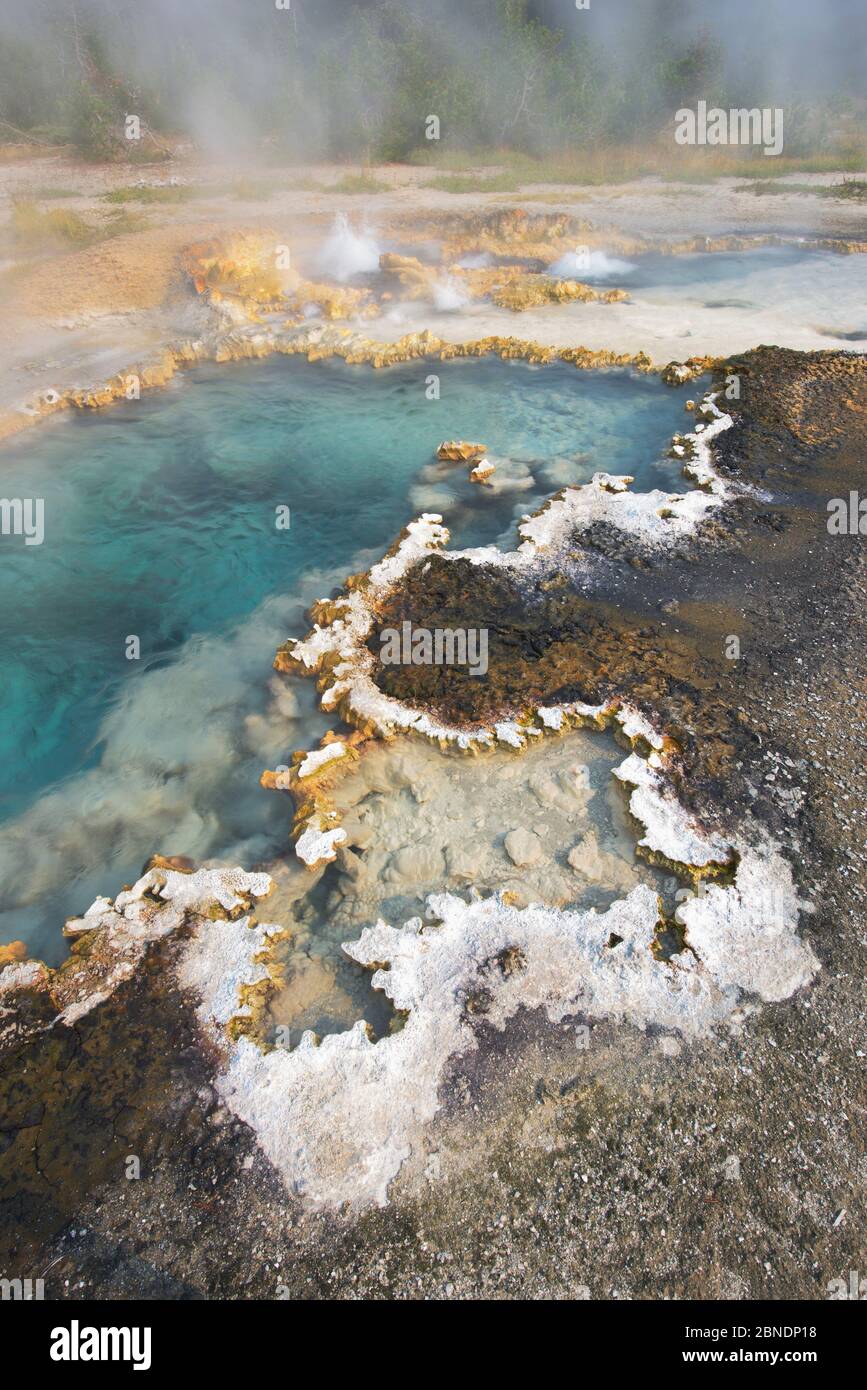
(459, 451)
(530, 291)
(12, 952)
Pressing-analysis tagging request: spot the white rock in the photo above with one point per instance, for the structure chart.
(320, 757)
(316, 845)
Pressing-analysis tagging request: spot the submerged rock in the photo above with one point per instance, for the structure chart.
(597, 865)
(416, 863)
(482, 471)
(523, 847)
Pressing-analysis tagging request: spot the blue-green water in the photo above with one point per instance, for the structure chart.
(160, 524)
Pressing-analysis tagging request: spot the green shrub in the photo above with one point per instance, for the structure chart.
(94, 125)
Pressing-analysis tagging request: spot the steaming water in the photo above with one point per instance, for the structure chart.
(591, 267)
(160, 524)
(476, 260)
(448, 296)
(820, 289)
(347, 253)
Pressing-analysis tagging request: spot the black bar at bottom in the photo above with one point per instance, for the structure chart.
(228, 1339)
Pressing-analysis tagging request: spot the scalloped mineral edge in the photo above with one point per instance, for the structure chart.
(338, 1119)
(607, 497)
(316, 845)
(389, 715)
(669, 829)
(654, 516)
(155, 906)
(316, 760)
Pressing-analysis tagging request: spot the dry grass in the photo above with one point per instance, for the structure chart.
(121, 221)
(252, 190)
(358, 183)
(853, 189)
(491, 169)
(475, 183)
(42, 229)
(58, 226)
(849, 188)
(160, 193)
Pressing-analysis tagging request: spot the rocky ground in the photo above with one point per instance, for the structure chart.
(605, 1163)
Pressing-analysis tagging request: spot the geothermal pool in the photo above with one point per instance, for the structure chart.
(160, 524)
(715, 302)
(824, 291)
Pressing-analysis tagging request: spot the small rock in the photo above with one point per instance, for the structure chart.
(459, 451)
(482, 471)
(417, 863)
(523, 847)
